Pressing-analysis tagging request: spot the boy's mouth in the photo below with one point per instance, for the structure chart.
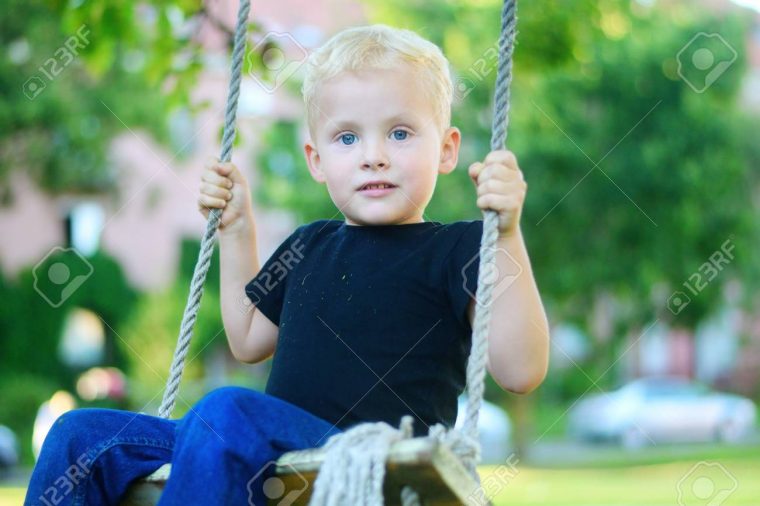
(376, 188)
(371, 185)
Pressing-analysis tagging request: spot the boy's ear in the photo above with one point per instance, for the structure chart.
(312, 160)
(449, 150)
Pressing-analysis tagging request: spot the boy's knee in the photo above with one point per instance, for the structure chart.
(75, 420)
(73, 431)
(222, 399)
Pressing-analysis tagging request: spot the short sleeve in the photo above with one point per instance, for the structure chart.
(267, 289)
(462, 270)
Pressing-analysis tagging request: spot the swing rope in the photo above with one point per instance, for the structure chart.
(476, 366)
(354, 466)
(207, 243)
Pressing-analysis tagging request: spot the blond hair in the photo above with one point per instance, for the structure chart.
(382, 47)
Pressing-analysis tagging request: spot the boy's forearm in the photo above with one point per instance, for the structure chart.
(239, 263)
(518, 344)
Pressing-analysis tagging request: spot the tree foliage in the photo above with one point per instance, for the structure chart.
(74, 74)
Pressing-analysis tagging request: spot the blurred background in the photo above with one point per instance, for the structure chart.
(635, 123)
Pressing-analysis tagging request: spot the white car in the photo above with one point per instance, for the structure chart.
(668, 409)
(494, 431)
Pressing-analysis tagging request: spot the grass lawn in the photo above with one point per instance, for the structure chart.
(723, 482)
(11, 496)
(701, 482)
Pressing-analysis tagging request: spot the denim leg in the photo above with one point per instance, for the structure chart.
(90, 456)
(227, 444)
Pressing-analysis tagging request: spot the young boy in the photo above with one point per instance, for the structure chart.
(369, 318)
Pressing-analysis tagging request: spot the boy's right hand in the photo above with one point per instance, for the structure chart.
(224, 187)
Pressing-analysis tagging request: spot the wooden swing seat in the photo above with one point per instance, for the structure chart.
(431, 469)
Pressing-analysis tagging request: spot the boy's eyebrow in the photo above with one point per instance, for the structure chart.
(352, 125)
(342, 125)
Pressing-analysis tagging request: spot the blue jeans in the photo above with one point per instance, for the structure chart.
(221, 451)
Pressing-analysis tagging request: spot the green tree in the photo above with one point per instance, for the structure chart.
(73, 75)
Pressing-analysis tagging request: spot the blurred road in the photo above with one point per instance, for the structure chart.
(567, 453)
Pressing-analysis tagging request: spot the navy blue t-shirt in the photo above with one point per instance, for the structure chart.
(372, 319)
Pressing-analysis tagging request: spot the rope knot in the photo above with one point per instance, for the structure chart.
(354, 467)
(464, 446)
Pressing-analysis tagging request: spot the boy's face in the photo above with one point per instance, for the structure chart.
(379, 125)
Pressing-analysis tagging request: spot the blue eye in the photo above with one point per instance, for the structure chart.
(400, 135)
(348, 139)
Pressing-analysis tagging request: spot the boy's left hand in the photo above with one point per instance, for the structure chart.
(500, 187)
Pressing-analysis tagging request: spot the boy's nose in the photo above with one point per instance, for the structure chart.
(375, 158)
(379, 164)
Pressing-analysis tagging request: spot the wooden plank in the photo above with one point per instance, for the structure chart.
(429, 468)
(147, 491)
